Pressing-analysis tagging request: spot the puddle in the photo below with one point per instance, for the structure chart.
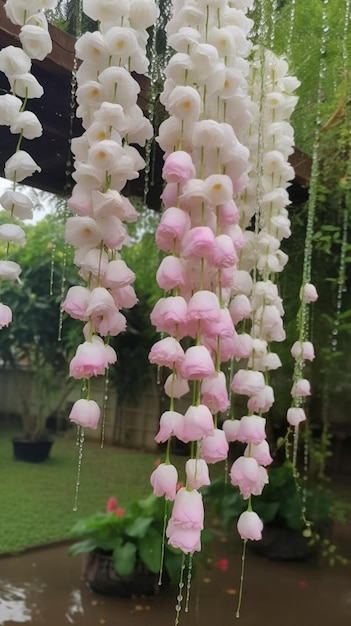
(44, 588)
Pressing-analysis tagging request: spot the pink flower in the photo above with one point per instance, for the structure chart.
(118, 274)
(178, 167)
(80, 201)
(172, 228)
(171, 273)
(260, 452)
(222, 328)
(76, 302)
(197, 473)
(5, 315)
(188, 509)
(250, 526)
(301, 388)
(262, 401)
(164, 481)
(228, 213)
(167, 352)
(85, 413)
(303, 350)
(214, 448)
(224, 253)
(245, 474)
(248, 382)
(252, 429)
(124, 297)
(231, 429)
(309, 293)
(187, 539)
(198, 242)
(91, 359)
(204, 305)
(111, 505)
(295, 415)
(175, 386)
(240, 308)
(242, 346)
(214, 393)
(171, 423)
(197, 364)
(198, 423)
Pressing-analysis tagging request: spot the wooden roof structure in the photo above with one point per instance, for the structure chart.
(52, 150)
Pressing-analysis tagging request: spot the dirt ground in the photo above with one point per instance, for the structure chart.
(44, 588)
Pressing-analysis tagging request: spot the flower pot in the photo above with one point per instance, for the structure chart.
(31, 451)
(283, 544)
(101, 577)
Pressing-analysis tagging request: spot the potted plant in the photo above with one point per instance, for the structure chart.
(293, 522)
(34, 363)
(122, 548)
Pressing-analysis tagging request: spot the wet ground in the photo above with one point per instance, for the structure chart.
(44, 588)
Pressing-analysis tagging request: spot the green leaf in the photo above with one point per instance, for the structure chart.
(138, 527)
(88, 545)
(124, 558)
(150, 549)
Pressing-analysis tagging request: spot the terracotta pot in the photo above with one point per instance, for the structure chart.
(101, 577)
(31, 451)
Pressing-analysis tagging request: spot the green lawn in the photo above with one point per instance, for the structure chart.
(36, 500)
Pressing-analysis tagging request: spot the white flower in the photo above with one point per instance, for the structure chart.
(9, 108)
(18, 11)
(82, 232)
(13, 233)
(121, 42)
(19, 166)
(26, 86)
(90, 94)
(18, 204)
(119, 86)
(91, 47)
(39, 19)
(14, 61)
(185, 103)
(105, 10)
(143, 13)
(111, 114)
(88, 176)
(36, 41)
(9, 270)
(105, 155)
(28, 124)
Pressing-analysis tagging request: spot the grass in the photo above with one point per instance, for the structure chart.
(36, 500)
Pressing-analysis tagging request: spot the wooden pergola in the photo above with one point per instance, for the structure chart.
(52, 150)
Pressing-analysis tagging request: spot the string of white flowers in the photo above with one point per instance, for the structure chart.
(16, 64)
(104, 161)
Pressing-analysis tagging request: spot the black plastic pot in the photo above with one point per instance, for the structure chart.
(101, 577)
(31, 451)
(283, 544)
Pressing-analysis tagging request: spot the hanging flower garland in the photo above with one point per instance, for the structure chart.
(16, 64)
(226, 150)
(256, 297)
(206, 166)
(104, 161)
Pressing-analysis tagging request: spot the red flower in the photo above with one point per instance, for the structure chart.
(119, 511)
(222, 564)
(111, 505)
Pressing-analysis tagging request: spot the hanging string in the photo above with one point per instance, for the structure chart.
(188, 583)
(80, 458)
(104, 408)
(303, 316)
(65, 208)
(178, 607)
(290, 28)
(241, 588)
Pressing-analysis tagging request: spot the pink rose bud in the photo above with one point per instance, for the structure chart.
(164, 481)
(309, 293)
(303, 350)
(5, 315)
(250, 526)
(301, 388)
(85, 413)
(295, 415)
